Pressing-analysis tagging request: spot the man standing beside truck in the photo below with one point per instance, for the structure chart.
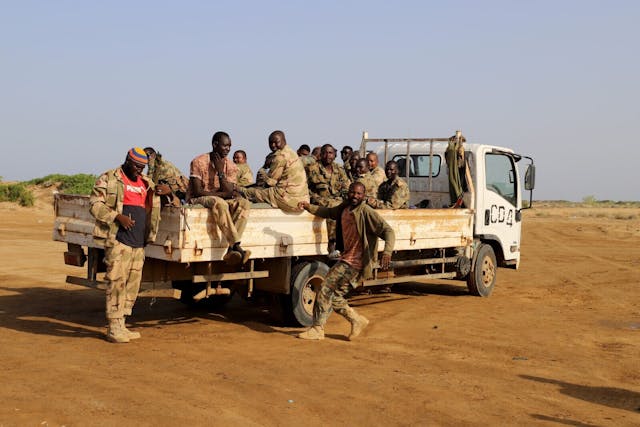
(127, 213)
(358, 228)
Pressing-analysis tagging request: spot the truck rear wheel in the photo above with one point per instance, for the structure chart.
(483, 277)
(306, 279)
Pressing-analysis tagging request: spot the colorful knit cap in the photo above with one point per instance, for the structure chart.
(138, 155)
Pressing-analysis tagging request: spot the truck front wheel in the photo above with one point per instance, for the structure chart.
(306, 279)
(483, 277)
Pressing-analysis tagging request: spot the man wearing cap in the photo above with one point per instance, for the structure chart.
(127, 213)
(213, 182)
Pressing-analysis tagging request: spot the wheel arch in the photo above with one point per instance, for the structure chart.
(496, 244)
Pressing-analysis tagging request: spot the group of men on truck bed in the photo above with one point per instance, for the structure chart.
(126, 204)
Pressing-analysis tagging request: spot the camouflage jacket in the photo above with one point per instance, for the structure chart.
(370, 226)
(325, 184)
(307, 160)
(378, 175)
(286, 174)
(106, 203)
(391, 195)
(370, 186)
(245, 176)
(165, 172)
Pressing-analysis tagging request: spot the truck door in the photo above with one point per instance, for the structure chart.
(499, 201)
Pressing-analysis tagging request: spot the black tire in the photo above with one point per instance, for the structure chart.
(483, 277)
(306, 279)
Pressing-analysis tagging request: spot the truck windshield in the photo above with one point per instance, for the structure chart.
(501, 176)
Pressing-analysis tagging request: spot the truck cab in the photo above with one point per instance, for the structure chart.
(495, 194)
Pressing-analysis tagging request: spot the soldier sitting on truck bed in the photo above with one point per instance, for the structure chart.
(170, 183)
(213, 180)
(328, 185)
(365, 177)
(286, 181)
(352, 173)
(393, 193)
(375, 170)
(245, 176)
(345, 155)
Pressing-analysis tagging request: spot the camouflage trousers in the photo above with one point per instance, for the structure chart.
(124, 273)
(334, 287)
(273, 196)
(230, 215)
(328, 202)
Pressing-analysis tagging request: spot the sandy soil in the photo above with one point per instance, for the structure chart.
(558, 343)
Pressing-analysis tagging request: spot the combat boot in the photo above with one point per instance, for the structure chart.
(115, 331)
(131, 334)
(358, 323)
(313, 333)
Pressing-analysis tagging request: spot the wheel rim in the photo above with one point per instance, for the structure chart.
(488, 271)
(309, 293)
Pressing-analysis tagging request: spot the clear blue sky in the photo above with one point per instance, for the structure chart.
(83, 81)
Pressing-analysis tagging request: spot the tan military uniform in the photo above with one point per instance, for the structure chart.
(245, 176)
(286, 182)
(370, 186)
(327, 188)
(378, 175)
(391, 195)
(124, 263)
(164, 172)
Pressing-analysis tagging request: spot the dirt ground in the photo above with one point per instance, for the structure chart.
(558, 343)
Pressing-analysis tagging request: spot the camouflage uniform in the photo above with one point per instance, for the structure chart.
(245, 176)
(378, 175)
(347, 169)
(370, 186)
(336, 284)
(327, 189)
(370, 226)
(124, 263)
(391, 195)
(286, 183)
(164, 172)
(307, 161)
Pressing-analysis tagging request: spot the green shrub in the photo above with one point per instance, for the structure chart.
(81, 183)
(16, 193)
(589, 200)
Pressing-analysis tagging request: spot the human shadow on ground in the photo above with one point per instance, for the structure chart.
(612, 397)
(79, 313)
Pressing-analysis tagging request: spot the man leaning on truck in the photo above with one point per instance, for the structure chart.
(127, 213)
(358, 228)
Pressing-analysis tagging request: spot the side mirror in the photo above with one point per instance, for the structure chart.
(530, 177)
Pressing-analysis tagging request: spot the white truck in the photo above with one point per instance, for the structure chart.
(289, 250)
